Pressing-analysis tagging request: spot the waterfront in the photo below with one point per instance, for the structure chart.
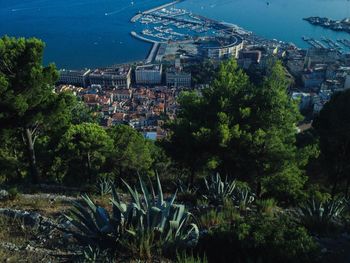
(89, 34)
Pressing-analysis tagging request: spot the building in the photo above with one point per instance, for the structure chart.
(117, 77)
(74, 77)
(222, 47)
(249, 57)
(177, 78)
(149, 74)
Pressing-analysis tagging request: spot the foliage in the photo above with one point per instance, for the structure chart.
(94, 255)
(203, 72)
(267, 206)
(84, 149)
(332, 126)
(217, 217)
(186, 192)
(184, 258)
(131, 151)
(148, 221)
(249, 132)
(243, 197)
(13, 193)
(322, 216)
(259, 239)
(104, 186)
(218, 191)
(29, 106)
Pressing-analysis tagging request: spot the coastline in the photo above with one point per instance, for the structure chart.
(153, 50)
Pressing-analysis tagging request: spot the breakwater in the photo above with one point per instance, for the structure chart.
(138, 16)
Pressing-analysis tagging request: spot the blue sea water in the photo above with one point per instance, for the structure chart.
(91, 33)
(78, 33)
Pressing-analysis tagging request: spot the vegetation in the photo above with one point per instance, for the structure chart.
(249, 132)
(148, 222)
(332, 127)
(255, 189)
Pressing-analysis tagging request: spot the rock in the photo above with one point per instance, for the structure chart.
(4, 195)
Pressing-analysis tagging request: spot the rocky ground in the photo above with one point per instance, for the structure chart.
(31, 223)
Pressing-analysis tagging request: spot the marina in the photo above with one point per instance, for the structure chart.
(340, 45)
(168, 23)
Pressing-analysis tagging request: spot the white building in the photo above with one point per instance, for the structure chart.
(74, 77)
(149, 74)
(224, 47)
(118, 77)
(177, 78)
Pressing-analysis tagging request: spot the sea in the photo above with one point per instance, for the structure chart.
(96, 33)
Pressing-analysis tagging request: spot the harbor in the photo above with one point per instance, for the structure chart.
(340, 45)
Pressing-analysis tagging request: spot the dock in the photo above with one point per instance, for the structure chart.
(152, 54)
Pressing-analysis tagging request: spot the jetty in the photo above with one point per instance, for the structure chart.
(153, 52)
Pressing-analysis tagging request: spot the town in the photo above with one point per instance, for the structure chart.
(143, 94)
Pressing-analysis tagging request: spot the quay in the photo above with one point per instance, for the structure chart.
(154, 49)
(152, 54)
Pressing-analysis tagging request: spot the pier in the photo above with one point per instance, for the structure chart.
(153, 52)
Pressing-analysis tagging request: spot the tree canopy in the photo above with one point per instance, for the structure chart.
(333, 128)
(27, 98)
(241, 130)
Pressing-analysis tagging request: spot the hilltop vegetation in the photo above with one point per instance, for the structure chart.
(234, 180)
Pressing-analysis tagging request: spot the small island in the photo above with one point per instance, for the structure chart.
(335, 25)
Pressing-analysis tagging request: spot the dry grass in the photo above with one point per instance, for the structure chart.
(22, 256)
(13, 231)
(45, 207)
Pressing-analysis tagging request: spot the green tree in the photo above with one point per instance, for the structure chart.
(131, 151)
(26, 92)
(84, 149)
(241, 130)
(333, 128)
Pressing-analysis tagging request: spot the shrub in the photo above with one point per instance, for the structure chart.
(184, 258)
(267, 206)
(243, 198)
(13, 193)
(218, 217)
(322, 217)
(259, 239)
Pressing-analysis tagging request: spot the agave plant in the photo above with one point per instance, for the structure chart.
(104, 186)
(184, 188)
(147, 214)
(217, 191)
(319, 216)
(243, 197)
(94, 255)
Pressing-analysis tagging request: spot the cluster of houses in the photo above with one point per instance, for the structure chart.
(320, 72)
(142, 97)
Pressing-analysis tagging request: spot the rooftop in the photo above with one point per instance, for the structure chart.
(149, 67)
(119, 71)
(221, 42)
